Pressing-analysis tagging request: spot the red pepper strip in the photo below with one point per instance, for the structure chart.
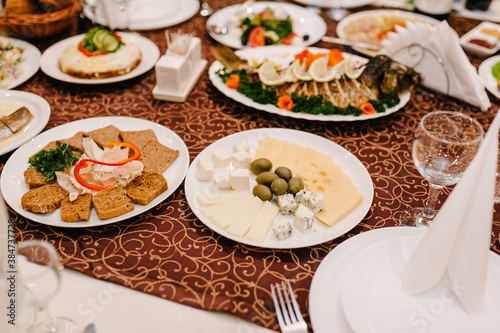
(137, 152)
(87, 53)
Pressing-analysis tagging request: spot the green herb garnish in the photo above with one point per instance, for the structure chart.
(495, 70)
(51, 160)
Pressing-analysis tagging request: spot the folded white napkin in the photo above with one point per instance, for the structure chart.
(441, 43)
(457, 244)
(113, 14)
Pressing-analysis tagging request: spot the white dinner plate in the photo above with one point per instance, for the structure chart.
(151, 14)
(12, 181)
(39, 108)
(320, 233)
(349, 20)
(487, 77)
(283, 55)
(50, 59)
(333, 3)
(304, 22)
(29, 65)
(374, 300)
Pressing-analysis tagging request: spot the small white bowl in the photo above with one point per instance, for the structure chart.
(478, 33)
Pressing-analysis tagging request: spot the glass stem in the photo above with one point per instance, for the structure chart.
(430, 204)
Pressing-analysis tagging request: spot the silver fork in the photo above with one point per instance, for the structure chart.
(287, 310)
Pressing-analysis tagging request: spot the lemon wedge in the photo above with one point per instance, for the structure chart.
(270, 76)
(300, 71)
(351, 71)
(320, 71)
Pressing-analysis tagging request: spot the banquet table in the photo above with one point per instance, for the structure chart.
(167, 252)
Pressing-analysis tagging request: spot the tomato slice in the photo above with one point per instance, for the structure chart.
(256, 37)
(288, 39)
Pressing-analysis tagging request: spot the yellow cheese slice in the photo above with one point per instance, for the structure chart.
(246, 218)
(259, 229)
(223, 218)
(211, 210)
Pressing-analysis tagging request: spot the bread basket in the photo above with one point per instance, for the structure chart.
(40, 25)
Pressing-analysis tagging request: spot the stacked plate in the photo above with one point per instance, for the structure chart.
(358, 289)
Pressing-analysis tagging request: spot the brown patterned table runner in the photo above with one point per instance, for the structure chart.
(167, 251)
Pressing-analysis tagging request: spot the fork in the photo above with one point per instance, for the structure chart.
(287, 310)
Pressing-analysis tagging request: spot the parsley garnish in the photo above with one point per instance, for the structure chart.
(52, 160)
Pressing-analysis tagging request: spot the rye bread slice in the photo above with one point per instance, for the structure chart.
(144, 188)
(104, 135)
(138, 138)
(157, 157)
(75, 142)
(76, 210)
(112, 202)
(44, 199)
(34, 178)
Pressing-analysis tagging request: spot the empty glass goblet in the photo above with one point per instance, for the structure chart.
(444, 144)
(337, 12)
(123, 5)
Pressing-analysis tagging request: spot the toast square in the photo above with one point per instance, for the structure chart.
(112, 202)
(75, 142)
(104, 135)
(77, 210)
(138, 138)
(44, 199)
(34, 178)
(156, 157)
(143, 189)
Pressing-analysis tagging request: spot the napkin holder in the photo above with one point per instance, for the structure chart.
(176, 74)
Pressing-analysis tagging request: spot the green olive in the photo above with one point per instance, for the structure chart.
(266, 178)
(260, 165)
(283, 172)
(295, 184)
(263, 192)
(279, 186)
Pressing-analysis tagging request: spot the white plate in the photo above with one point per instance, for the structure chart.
(39, 108)
(348, 20)
(12, 181)
(152, 14)
(477, 33)
(325, 308)
(374, 300)
(283, 55)
(332, 3)
(304, 21)
(320, 233)
(50, 59)
(487, 77)
(29, 65)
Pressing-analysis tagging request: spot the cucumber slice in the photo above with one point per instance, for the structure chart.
(106, 41)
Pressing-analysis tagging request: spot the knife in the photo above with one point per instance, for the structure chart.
(349, 43)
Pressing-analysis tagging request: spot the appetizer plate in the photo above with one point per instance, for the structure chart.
(305, 22)
(283, 55)
(39, 108)
(12, 181)
(50, 59)
(30, 63)
(320, 233)
(350, 24)
(487, 77)
(151, 14)
(486, 32)
(333, 3)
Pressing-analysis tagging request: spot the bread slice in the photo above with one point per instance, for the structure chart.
(77, 210)
(138, 138)
(112, 202)
(75, 142)
(50, 145)
(43, 199)
(34, 178)
(143, 189)
(157, 157)
(105, 135)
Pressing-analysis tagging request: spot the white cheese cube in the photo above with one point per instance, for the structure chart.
(221, 178)
(241, 146)
(282, 229)
(304, 218)
(287, 204)
(204, 169)
(241, 159)
(238, 178)
(221, 158)
(316, 202)
(302, 197)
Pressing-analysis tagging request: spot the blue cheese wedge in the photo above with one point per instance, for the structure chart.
(282, 229)
(302, 197)
(304, 218)
(316, 202)
(287, 204)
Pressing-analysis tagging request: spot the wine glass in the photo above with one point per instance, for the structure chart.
(337, 12)
(92, 6)
(123, 5)
(444, 144)
(39, 278)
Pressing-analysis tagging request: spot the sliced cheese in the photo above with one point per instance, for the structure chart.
(338, 205)
(260, 228)
(224, 218)
(208, 199)
(246, 218)
(210, 211)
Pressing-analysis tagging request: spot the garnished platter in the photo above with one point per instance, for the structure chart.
(13, 186)
(487, 77)
(29, 65)
(282, 56)
(332, 4)
(320, 232)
